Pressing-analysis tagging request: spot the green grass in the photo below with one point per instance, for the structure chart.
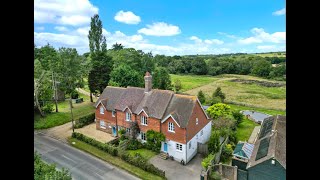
(113, 160)
(190, 81)
(263, 110)
(245, 129)
(64, 115)
(253, 95)
(143, 152)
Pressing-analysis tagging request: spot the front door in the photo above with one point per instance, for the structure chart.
(165, 147)
(114, 133)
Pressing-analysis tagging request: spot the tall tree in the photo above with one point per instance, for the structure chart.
(161, 79)
(219, 93)
(117, 46)
(201, 97)
(177, 85)
(101, 66)
(124, 76)
(70, 72)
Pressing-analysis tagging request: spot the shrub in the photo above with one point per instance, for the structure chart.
(47, 108)
(122, 132)
(85, 120)
(74, 94)
(238, 117)
(154, 140)
(219, 93)
(219, 110)
(226, 153)
(207, 161)
(201, 97)
(134, 144)
(214, 142)
(214, 176)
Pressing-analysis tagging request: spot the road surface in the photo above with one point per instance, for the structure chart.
(81, 165)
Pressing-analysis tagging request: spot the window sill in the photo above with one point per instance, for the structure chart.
(178, 151)
(144, 125)
(103, 127)
(171, 131)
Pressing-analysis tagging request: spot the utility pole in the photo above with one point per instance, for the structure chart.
(71, 113)
(54, 84)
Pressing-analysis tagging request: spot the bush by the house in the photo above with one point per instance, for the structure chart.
(226, 153)
(123, 144)
(214, 142)
(207, 161)
(154, 140)
(85, 120)
(140, 162)
(122, 132)
(44, 171)
(134, 144)
(114, 142)
(214, 175)
(102, 146)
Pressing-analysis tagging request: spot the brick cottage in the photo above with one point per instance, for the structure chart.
(180, 118)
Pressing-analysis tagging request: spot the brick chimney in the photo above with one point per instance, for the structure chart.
(147, 82)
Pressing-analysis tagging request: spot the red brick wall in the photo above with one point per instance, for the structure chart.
(121, 118)
(179, 135)
(192, 128)
(106, 117)
(153, 123)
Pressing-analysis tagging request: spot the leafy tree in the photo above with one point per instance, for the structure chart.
(219, 93)
(117, 46)
(201, 97)
(226, 152)
(224, 123)
(161, 79)
(99, 75)
(177, 85)
(44, 171)
(206, 161)
(214, 142)
(147, 63)
(278, 71)
(238, 117)
(219, 110)
(135, 130)
(261, 68)
(124, 76)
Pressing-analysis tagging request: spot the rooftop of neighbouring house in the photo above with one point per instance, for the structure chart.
(257, 116)
(243, 150)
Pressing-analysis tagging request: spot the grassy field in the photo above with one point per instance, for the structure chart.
(245, 129)
(191, 82)
(253, 95)
(266, 111)
(113, 160)
(143, 152)
(274, 54)
(64, 115)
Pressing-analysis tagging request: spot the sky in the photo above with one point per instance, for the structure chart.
(179, 27)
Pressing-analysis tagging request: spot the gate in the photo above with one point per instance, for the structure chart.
(202, 149)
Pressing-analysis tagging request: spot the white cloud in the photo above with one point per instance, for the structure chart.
(206, 41)
(266, 47)
(261, 36)
(61, 28)
(279, 12)
(160, 29)
(127, 17)
(228, 35)
(66, 12)
(39, 28)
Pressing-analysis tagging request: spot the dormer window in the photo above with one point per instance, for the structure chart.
(128, 116)
(101, 110)
(144, 120)
(170, 127)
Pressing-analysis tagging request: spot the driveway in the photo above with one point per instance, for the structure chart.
(81, 165)
(174, 170)
(64, 131)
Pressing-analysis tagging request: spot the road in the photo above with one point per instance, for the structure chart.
(80, 164)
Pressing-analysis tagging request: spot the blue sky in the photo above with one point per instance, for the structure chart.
(166, 26)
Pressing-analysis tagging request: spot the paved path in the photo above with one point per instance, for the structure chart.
(81, 165)
(174, 170)
(254, 134)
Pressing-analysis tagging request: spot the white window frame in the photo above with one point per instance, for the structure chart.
(101, 110)
(128, 115)
(197, 121)
(171, 128)
(128, 130)
(103, 125)
(113, 113)
(179, 147)
(142, 134)
(144, 120)
(201, 134)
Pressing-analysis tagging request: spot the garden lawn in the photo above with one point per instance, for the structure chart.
(113, 160)
(245, 129)
(143, 152)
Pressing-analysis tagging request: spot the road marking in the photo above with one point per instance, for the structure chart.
(68, 158)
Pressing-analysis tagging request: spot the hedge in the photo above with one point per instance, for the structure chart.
(85, 120)
(102, 146)
(137, 161)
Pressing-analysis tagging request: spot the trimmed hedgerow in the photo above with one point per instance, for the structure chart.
(85, 120)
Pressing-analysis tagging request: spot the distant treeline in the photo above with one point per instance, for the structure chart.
(239, 63)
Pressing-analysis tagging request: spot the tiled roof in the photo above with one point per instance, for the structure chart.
(110, 96)
(272, 144)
